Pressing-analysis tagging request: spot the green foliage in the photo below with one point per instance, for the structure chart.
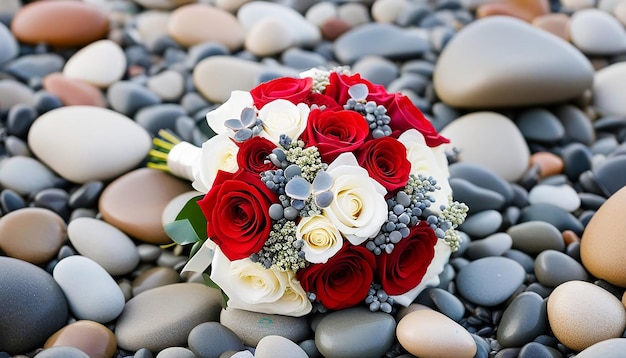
(189, 226)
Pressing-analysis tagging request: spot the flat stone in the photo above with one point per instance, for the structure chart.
(504, 137)
(596, 32)
(61, 352)
(169, 85)
(278, 347)
(8, 45)
(251, 327)
(578, 126)
(100, 63)
(16, 168)
(483, 178)
(553, 268)
(160, 116)
(489, 281)
(31, 303)
(34, 235)
(533, 237)
(609, 175)
(90, 337)
(523, 320)
(607, 84)
(217, 76)
(154, 277)
(83, 23)
(610, 348)
(482, 66)
(370, 334)
(563, 196)
(134, 202)
(539, 124)
(152, 320)
(128, 97)
(73, 92)
(104, 244)
(210, 339)
(552, 214)
(493, 245)
(32, 67)
(447, 303)
(175, 352)
(482, 224)
(268, 37)
(75, 142)
(582, 314)
(13, 92)
(377, 70)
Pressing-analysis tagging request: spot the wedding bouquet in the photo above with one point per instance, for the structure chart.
(319, 193)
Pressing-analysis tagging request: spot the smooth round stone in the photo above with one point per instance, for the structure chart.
(482, 224)
(430, 334)
(523, 320)
(134, 202)
(162, 4)
(61, 352)
(596, 32)
(387, 11)
(148, 253)
(576, 159)
(538, 350)
(549, 163)
(302, 59)
(522, 9)
(533, 237)
(128, 97)
(164, 316)
(8, 46)
(251, 327)
(602, 245)
(610, 348)
(210, 339)
(354, 13)
(620, 13)
(383, 40)
(45, 101)
(169, 85)
(175, 352)
(217, 76)
(154, 277)
(504, 137)
(11, 201)
(577, 124)
(73, 92)
(76, 143)
(152, 25)
(552, 214)
(447, 303)
(19, 119)
(320, 12)
(555, 23)
(100, 63)
(86, 196)
(37, 22)
(31, 304)
(197, 23)
(490, 281)
(303, 32)
(376, 70)
(492, 245)
(13, 92)
(482, 66)
(18, 168)
(103, 243)
(370, 334)
(90, 337)
(553, 268)
(91, 292)
(563, 196)
(483, 178)
(521, 258)
(610, 174)
(278, 347)
(157, 117)
(539, 124)
(582, 314)
(34, 235)
(54, 199)
(268, 37)
(607, 84)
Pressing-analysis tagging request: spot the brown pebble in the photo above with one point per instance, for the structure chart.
(570, 237)
(154, 277)
(333, 28)
(549, 163)
(60, 23)
(525, 10)
(90, 337)
(197, 23)
(135, 201)
(34, 235)
(556, 23)
(73, 92)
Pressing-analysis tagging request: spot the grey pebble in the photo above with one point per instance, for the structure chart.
(143, 353)
(533, 237)
(443, 115)
(175, 352)
(301, 59)
(482, 177)
(45, 101)
(553, 268)
(611, 174)
(578, 127)
(475, 197)
(413, 81)
(482, 224)
(573, 250)
(86, 195)
(250, 327)
(492, 245)
(203, 50)
(159, 116)
(537, 350)
(508, 353)
(376, 69)
(527, 262)
(576, 160)
(610, 348)
(539, 289)
(482, 347)
(210, 339)
(19, 119)
(193, 102)
(419, 67)
(605, 145)
(539, 124)
(25, 175)
(524, 319)
(17, 147)
(490, 281)
(310, 348)
(62, 352)
(54, 199)
(8, 45)
(552, 214)
(37, 66)
(447, 303)
(10, 201)
(128, 97)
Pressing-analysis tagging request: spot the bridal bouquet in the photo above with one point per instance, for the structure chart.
(319, 193)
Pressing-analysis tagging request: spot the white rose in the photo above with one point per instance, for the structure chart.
(314, 73)
(358, 208)
(431, 278)
(428, 162)
(321, 238)
(218, 153)
(230, 109)
(250, 286)
(283, 117)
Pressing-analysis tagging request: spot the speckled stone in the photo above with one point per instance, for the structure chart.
(610, 348)
(251, 327)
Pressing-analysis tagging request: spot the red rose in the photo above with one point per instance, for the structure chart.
(335, 132)
(252, 155)
(340, 84)
(237, 213)
(344, 280)
(386, 162)
(405, 115)
(291, 89)
(404, 268)
(322, 100)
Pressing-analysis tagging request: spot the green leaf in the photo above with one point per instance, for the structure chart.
(195, 248)
(192, 212)
(212, 284)
(181, 232)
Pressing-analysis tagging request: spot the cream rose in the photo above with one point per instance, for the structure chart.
(218, 153)
(321, 238)
(358, 208)
(283, 117)
(428, 162)
(250, 286)
(230, 109)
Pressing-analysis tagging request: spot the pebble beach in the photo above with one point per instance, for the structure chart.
(531, 94)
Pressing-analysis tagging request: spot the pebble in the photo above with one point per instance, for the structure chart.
(152, 25)
(162, 4)
(33, 235)
(73, 92)
(75, 142)
(483, 178)
(553, 268)
(370, 334)
(124, 203)
(538, 350)
(268, 37)
(321, 12)
(610, 348)
(160, 116)
(563, 196)
(15, 169)
(100, 63)
(493, 245)
(61, 352)
(83, 23)
(609, 175)
(128, 97)
(582, 314)
(447, 303)
(169, 85)
(278, 347)
(430, 334)
(211, 339)
(552, 214)
(154, 277)
(376, 69)
(578, 126)
(175, 352)
(539, 124)
(602, 244)
(489, 281)
(483, 66)
(523, 319)
(576, 159)
(91, 292)
(522, 9)
(251, 327)
(596, 32)
(8, 46)
(13, 92)
(145, 323)
(607, 83)
(103, 243)
(217, 76)
(549, 163)
(35, 67)
(31, 304)
(19, 119)
(86, 195)
(555, 23)
(503, 136)
(91, 337)
(482, 224)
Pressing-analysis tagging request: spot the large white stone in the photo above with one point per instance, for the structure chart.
(609, 90)
(216, 77)
(101, 64)
(596, 32)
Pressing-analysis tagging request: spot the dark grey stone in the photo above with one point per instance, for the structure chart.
(552, 214)
(54, 199)
(493, 245)
(533, 237)
(45, 101)
(522, 258)
(490, 281)
(553, 268)
(539, 289)
(210, 339)
(36, 66)
(86, 195)
(610, 175)
(129, 97)
(482, 177)
(159, 116)
(576, 160)
(19, 119)
(413, 81)
(447, 303)
(539, 124)
(591, 201)
(523, 320)
(201, 51)
(577, 125)
(482, 224)
(302, 59)
(10, 201)
(477, 198)
(537, 350)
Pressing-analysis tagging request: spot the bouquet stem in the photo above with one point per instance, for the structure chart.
(173, 155)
